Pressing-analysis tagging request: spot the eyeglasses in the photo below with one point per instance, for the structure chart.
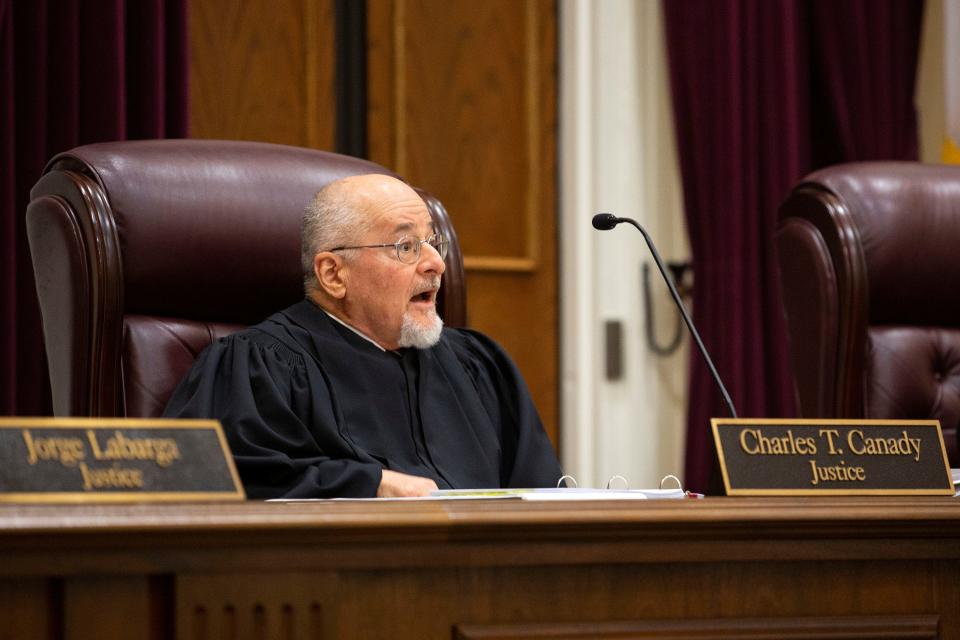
(408, 247)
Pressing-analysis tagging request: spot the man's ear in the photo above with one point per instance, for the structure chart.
(328, 268)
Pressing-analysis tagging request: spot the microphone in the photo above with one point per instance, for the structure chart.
(607, 221)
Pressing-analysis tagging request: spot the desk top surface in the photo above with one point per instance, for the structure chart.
(37, 539)
(690, 514)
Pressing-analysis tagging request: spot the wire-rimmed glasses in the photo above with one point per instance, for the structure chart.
(408, 247)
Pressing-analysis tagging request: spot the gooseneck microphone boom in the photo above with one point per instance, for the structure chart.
(607, 221)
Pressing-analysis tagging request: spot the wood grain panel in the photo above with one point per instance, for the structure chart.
(465, 102)
(462, 101)
(263, 70)
(85, 616)
(695, 602)
(29, 609)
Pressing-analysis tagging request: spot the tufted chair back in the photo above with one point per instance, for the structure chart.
(869, 259)
(146, 251)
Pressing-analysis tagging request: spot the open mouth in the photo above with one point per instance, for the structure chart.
(426, 296)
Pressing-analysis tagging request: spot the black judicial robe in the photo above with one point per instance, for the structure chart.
(313, 410)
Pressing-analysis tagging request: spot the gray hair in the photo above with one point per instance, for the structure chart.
(330, 220)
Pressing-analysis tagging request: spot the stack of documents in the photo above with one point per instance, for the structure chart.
(561, 494)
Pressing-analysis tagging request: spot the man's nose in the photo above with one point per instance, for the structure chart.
(430, 260)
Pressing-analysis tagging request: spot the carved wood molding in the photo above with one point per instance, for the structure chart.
(901, 627)
(531, 202)
(240, 606)
(318, 74)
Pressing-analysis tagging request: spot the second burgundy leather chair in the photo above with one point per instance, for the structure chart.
(870, 268)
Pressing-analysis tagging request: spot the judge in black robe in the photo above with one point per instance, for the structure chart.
(312, 409)
(359, 390)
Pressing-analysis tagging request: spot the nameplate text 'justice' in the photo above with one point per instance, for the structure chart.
(837, 457)
(115, 460)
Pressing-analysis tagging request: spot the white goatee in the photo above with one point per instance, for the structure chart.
(420, 335)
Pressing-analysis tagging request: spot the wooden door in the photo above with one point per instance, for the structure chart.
(462, 100)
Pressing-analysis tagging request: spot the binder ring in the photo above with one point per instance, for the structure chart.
(675, 479)
(626, 483)
(566, 477)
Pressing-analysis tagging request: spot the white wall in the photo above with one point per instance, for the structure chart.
(617, 154)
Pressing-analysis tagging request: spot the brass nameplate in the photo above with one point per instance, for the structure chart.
(763, 457)
(115, 460)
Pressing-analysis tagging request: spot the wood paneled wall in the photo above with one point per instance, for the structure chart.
(461, 100)
(263, 70)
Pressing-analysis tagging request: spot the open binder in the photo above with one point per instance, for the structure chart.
(561, 493)
(558, 493)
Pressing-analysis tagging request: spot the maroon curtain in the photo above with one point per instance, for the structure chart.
(765, 91)
(72, 72)
(864, 65)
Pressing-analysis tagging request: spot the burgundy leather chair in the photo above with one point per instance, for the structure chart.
(146, 251)
(869, 259)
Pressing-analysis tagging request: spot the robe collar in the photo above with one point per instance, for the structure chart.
(317, 320)
(354, 329)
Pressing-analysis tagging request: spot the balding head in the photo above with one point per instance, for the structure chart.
(353, 234)
(341, 213)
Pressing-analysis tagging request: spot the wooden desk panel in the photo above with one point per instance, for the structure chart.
(721, 567)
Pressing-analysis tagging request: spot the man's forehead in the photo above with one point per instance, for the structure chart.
(400, 214)
(410, 225)
(386, 205)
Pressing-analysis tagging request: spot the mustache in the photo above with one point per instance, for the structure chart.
(427, 285)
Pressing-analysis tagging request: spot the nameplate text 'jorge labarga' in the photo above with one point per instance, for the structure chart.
(839, 457)
(115, 460)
